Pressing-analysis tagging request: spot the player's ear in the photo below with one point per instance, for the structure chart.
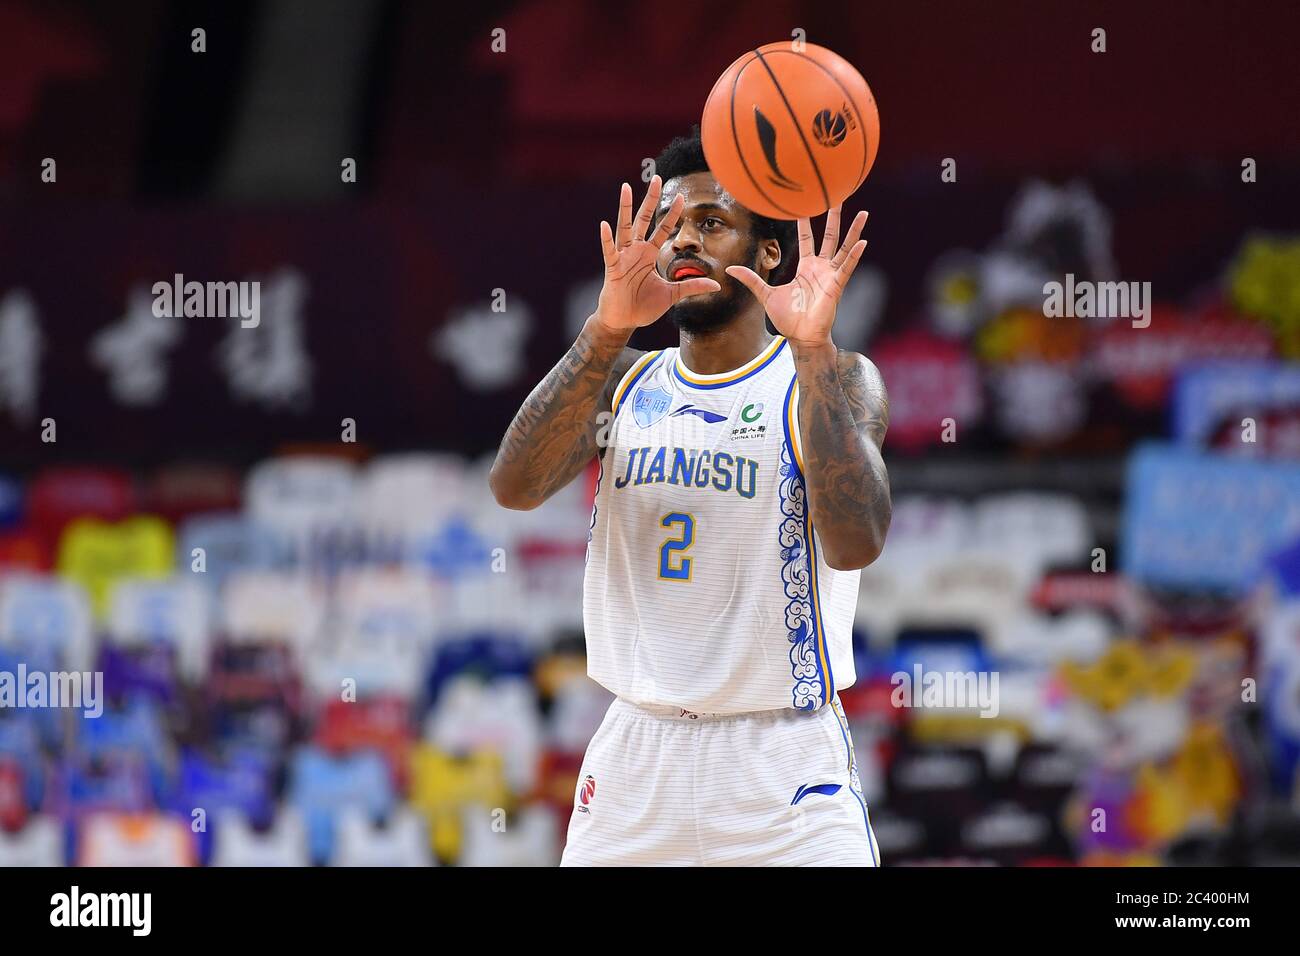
(769, 255)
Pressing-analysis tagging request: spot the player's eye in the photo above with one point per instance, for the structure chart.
(712, 222)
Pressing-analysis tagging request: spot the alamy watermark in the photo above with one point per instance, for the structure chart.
(133, 911)
(209, 300)
(960, 690)
(83, 690)
(1100, 300)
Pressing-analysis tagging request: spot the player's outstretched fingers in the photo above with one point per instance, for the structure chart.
(845, 270)
(805, 239)
(649, 203)
(697, 286)
(623, 237)
(669, 222)
(751, 280)
(855, 230)
(831, 237)
(607, 250)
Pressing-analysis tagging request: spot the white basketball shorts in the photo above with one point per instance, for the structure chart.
(665, 787)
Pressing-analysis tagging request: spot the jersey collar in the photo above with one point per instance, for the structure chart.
(722, 379)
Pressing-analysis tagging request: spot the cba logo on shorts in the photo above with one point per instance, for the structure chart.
(586, 793)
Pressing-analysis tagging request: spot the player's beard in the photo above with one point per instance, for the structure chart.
(714, 310)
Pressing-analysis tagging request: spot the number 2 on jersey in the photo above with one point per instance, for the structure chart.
(673, 563)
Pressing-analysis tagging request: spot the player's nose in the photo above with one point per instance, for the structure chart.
(686, 239)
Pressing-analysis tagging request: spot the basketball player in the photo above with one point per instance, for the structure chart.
(741, 490)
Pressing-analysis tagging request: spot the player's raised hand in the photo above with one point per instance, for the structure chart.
(803, 310)
(634, 293)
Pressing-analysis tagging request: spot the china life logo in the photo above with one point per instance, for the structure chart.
(752, 426)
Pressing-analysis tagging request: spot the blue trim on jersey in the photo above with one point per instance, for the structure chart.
(651, 363)
(855, 783)
(785, 422)
(812, 631)
(754, 371)
(595, 507)
(821, 643)
(808, 691)
(591, 528)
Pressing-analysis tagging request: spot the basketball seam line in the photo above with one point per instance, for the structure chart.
(795, 120)
(735, 138)
(862, 126)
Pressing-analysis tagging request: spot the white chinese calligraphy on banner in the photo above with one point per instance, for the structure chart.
(132, 351)
(20, 355)
(268, 363)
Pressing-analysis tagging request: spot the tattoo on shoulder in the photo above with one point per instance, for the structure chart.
(626, 359)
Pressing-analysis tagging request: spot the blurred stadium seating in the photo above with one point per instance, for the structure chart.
(300, 677)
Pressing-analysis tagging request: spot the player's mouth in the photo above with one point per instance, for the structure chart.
(686, 270)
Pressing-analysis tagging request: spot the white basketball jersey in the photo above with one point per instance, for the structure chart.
(705, 584)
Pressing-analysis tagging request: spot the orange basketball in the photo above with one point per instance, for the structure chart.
(790, 129)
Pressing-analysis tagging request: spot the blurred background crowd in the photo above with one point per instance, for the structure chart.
(324, 643)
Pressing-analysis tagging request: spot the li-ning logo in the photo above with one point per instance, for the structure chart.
(827, 789)
(767, 139)
(586, 793)
(708, 416)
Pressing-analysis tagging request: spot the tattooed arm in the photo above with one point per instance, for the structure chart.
(843, 410)
(843, 416)
(554, 433)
